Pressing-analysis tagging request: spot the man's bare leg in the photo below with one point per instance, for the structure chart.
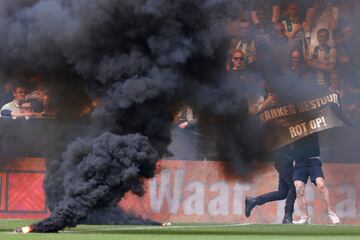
(300, 194)
(320, 184)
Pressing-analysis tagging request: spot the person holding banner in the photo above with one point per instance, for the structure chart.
(304, 151)
(283, 160)
(283, 164)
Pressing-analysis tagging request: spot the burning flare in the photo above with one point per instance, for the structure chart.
(26, 229)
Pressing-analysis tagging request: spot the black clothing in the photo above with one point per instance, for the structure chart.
(305, 148)
(5, 98)
(312, 170)
(286, 188)
(307, 162)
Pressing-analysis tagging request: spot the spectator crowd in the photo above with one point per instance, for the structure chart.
(311, 41)
(18, 100)
(276, 44)
(314, 41)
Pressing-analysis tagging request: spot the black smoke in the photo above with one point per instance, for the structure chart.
(102, 170)
(141, 60)
(116, 215)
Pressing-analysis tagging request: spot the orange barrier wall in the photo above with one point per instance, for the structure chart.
(195, 191)
(190, 191)
(22, 193)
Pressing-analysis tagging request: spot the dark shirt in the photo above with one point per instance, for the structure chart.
(262, 32)
(5, 113)
(306, 151)
(5, 97)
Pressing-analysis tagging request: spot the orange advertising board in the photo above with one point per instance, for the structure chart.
(197, 191)
(191, 191)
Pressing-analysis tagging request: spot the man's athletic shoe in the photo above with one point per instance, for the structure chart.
(303, 221)
(334, 218)
(287, 219)
(250, 203)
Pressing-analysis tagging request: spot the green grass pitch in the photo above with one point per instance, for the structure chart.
(187, 231)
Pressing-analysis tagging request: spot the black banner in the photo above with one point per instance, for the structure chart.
(287, 123)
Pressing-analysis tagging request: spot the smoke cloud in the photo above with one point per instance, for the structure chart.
(102, 171)
(115, 215)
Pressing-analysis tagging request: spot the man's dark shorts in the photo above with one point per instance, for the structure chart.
(309, 168)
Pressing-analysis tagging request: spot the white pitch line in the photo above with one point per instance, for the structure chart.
(165, 227)
(160, 227)
(145, 227)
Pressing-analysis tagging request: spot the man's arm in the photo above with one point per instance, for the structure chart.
(261, 104)
(5, 113)
(328, 67)
(14, 114)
